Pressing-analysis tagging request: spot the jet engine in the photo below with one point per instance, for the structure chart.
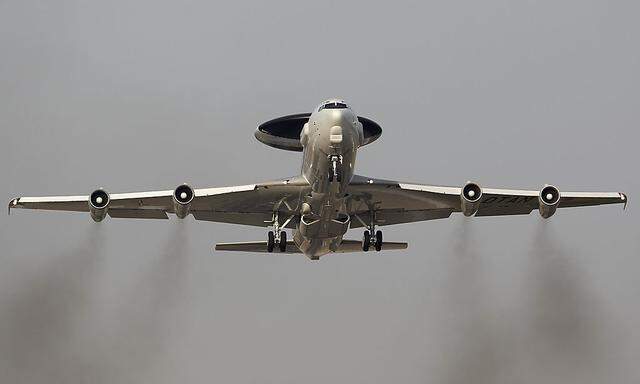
(470, 198)
(182, 198)
(98, 204)
(548, 201)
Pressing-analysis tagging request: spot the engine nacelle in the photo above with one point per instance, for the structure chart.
(470, 198)
(548, 201)
(182, 198)
(98, 204)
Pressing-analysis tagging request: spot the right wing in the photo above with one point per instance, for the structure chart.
(395, 203)
(252, 204)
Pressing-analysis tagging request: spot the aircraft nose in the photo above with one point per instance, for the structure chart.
(335, 135)
(343, 118)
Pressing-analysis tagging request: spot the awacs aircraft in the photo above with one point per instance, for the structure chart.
(326, 199)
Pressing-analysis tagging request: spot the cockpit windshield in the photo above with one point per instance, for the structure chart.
(333, 105)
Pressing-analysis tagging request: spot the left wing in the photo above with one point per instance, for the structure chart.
(252, 204)
(395, 203)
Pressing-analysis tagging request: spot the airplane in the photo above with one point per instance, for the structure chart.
(327, 199)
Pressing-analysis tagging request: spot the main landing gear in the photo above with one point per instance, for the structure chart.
(277, 238)
(280, 241)
(371, 237)
(368, 241)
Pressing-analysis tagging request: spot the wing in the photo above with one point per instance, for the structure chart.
(395, 203)
(252, 204)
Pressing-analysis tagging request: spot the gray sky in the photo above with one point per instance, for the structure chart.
(138, 95)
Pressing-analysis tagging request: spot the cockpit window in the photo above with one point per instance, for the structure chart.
(333, 105)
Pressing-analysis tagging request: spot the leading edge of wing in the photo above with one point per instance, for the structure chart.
(149, 200)
(71, 203)
(411, 201)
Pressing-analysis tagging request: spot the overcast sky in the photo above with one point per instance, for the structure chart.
(143, 95)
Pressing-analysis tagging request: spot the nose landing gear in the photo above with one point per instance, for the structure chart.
(335, 169)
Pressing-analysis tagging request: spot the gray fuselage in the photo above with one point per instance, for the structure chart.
(330, 140)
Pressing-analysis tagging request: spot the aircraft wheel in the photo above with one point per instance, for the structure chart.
(271, 241)
(366, 241)
(283, 241)
(378, 241)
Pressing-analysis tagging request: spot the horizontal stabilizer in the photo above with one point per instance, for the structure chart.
(356, 246)
(261, 246)
(255, 246)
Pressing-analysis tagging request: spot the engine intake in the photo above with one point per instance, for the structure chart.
(98, 204)
(182, 198)
(470, 198)
(548, 201)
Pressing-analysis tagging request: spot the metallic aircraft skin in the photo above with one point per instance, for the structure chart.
(326, 199)
(329, 132)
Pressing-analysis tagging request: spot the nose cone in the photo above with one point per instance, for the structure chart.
(341, 117)
(336, 112)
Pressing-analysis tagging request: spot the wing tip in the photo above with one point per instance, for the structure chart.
(13, 204)
(624, 199)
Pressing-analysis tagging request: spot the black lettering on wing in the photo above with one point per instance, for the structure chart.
(505, 201)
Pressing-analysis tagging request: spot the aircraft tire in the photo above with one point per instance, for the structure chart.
(366, 241)
(378, 241)
(271, 241)
(283, 241)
